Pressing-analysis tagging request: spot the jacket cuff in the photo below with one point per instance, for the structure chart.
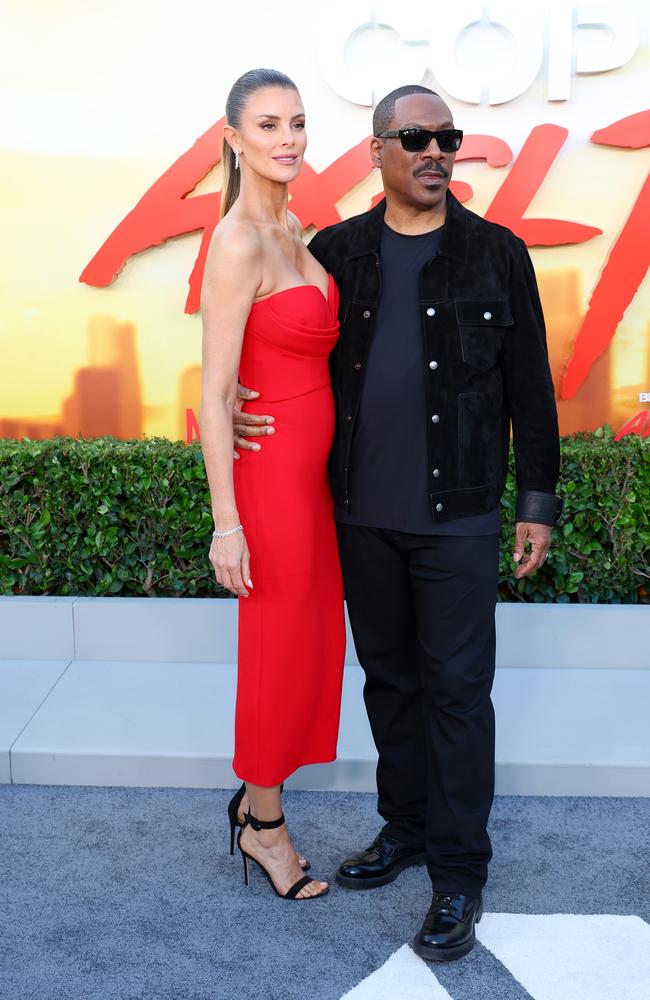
(538, 508)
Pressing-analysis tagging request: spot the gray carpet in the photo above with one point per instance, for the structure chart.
(130, 894)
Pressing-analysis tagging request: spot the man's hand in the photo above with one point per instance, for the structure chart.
(245, 425)
(539, 535)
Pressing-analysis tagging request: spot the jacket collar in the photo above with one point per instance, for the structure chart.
(453, 242)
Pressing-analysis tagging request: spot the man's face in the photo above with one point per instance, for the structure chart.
(416, 179)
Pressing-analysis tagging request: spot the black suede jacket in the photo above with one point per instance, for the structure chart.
(484, 343)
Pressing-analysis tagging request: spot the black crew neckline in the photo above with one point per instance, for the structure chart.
(412, 236)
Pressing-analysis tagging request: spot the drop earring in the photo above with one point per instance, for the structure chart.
(236, 159)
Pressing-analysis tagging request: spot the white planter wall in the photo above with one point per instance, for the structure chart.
(132, 691)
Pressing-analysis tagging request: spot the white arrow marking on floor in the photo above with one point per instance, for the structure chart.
(558, 956)
(403, 977)
(569, 956)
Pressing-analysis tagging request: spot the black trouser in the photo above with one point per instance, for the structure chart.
(421, 609)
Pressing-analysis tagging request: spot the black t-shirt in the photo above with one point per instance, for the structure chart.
(389, 485)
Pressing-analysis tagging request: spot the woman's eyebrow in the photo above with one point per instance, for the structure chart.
(301, 114)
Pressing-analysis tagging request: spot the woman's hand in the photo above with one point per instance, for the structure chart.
(232, 563)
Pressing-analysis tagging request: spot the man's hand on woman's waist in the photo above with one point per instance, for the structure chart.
(248, 425)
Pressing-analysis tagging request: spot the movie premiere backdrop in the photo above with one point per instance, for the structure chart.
(110, 139)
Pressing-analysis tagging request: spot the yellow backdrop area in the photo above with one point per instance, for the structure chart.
(99, 100)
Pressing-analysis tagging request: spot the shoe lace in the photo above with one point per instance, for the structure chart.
(443, 901)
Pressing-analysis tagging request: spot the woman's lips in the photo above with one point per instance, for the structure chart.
(285, 159)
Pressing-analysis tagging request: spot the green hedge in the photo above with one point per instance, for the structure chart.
(104, 516)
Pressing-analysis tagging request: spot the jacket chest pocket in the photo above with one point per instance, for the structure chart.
(482, 324)
(357, 311)
(356, 319)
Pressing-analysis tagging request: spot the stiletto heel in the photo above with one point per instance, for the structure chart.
(233, 809)
(292, 892)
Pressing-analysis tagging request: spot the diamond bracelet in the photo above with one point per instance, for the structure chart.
(231, 531)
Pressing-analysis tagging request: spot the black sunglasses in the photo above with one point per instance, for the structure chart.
(416, 140)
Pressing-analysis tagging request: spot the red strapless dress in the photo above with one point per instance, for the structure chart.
(291, 628)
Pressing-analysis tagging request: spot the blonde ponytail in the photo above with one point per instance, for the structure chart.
(231, 180)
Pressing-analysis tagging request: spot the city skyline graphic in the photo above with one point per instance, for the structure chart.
(106, 393)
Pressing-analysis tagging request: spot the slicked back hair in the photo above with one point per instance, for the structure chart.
(385, 110)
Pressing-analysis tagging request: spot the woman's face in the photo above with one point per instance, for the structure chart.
(271, 138)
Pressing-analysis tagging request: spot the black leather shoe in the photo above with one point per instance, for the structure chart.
(379, 864)
(448, 928)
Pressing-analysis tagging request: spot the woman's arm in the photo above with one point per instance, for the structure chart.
(231, 280)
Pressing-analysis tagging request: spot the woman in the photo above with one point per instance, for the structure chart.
(269, 313)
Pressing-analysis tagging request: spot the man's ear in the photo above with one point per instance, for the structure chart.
(376, 149)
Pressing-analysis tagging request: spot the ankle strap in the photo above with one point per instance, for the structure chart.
(262, 824)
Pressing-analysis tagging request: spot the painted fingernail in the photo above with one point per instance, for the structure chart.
(249, 583)
(256, 447)
(270, 430)
(270, 420)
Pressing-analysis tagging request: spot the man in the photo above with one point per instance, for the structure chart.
(442, 349)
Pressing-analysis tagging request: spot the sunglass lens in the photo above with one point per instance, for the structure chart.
(414, 140)
(448, 140)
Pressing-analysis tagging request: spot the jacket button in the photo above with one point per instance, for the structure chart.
(348, 418)
(435, 418)
(357, 365)
(431, 311)
(436, 472)
(487, 315)
(366, 314)
(439, 507)
(433, 365)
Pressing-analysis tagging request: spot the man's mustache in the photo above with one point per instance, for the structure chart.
(431, 168)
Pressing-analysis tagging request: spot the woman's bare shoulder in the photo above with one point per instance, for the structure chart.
(233, 264)
(234, 240)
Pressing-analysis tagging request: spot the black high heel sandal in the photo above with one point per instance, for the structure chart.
(233, 809)
(291, 893)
